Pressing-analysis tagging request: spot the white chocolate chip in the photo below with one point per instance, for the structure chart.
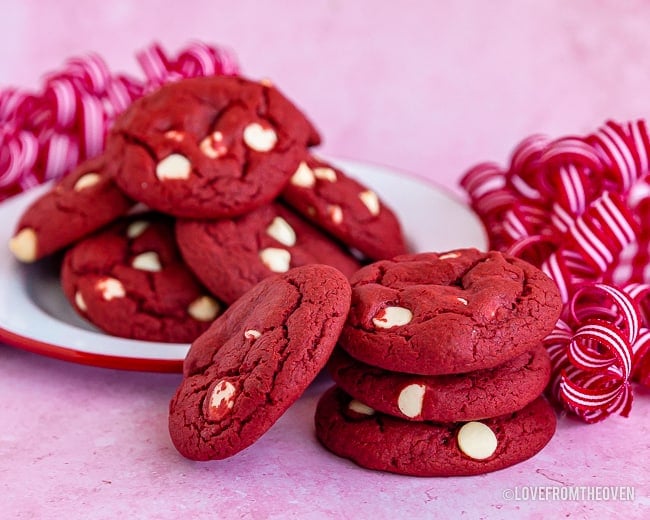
(477, 440)
(111, 288)
(357, 254)
(410, 400)
(252, 334)
(86, 181)
(447, 256)
(204, 308)
(392, 317)
(370, 201)
(136, 228)
(139, 208)
(221, 400)
(462, 300)
(282, 232)
(336, 213)
(325, 174)
(175, 135)
(259, 138)
(23, 245)
(174, 166)
(149, 261)
(266, 82)
(80, 302)
(359, 407)
(276, 259)
(212, 146)
(304, 176)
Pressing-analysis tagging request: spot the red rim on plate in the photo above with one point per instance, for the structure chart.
(85, 358)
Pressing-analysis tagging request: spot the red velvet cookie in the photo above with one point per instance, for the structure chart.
(448, 313)
(209, 147)
(449, 398)
(130, 281)
(82, 202)
(345, 208)
(244, 372)
(230, 256)
(381, 442)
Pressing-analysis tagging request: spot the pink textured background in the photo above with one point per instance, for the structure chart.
(426, 87)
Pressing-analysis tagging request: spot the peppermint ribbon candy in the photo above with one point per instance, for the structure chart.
(45, 134)
(579, 209)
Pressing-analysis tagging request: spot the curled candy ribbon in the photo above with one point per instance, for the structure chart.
(579, 209)
(45, 134)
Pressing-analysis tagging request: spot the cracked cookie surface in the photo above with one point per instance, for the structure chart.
(448, 313)
(445, 398)
(256, 359)
(231, 255)
(209, 147)
(376, 441)
(130, 281)
(345, 208)
(82, 202)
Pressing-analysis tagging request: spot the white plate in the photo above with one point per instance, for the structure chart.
(35, 315)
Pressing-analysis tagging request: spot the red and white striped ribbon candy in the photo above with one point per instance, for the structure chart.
(602, 301)
(571, 150)
(200, 59)
(617, 149)
(523, 174)
(593, 363)
(91, 70)
(595, 397)
(641, 361)
(10, 101)
(156, 66)
(483, 179)
(579, 208)
(60, 153)
(601, 232)
(639, 292)
(599, 346)
(93, 122)
(572, 192)
(45, 134)
(197, 59)
(19, 154)
(120, 93)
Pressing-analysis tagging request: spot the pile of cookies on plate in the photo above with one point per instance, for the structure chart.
(208, 220)
(205, 187)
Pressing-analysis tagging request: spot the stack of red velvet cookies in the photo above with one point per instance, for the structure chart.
(440, 368)
(233, 195)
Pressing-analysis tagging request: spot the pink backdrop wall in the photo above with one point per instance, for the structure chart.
(428, 87)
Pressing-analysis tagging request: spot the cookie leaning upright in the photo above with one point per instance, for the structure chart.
(256, 359)
(209, 147)
(448, 313)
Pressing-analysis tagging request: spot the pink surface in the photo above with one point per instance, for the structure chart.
(432, 90)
